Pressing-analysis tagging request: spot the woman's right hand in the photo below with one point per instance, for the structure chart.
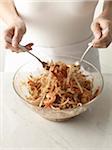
(15, 31)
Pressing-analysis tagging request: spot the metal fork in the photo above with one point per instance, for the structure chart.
(44, 64)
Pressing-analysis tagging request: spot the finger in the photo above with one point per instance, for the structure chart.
(18, 34)
(103, 43)
(101, 46)
(8, 33)
(105, 37)
(96, 29)
(105, 33)
(9, 46)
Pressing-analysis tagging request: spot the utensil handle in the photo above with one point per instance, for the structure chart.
(20, 46)
(23, 49)
(90, 45)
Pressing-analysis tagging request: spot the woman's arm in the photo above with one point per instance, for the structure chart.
(107, 9)
(8, 11)
(15, 25)
(102, 26)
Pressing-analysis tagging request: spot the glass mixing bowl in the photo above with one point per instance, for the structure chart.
(35, 68)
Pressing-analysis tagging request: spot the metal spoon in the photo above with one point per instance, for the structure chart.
(44, 64)
(90, 45)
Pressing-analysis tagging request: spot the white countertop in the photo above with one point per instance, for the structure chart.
(21, 128)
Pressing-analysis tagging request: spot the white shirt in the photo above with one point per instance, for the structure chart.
(56, 23)
(58, 27)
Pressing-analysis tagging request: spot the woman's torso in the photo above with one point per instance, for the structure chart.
(55, 24)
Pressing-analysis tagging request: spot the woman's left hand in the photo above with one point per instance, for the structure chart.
(102, 30)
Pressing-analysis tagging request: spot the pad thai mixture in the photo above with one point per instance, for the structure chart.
(60, 87)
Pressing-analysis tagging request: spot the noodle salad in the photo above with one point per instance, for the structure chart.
(60, 86)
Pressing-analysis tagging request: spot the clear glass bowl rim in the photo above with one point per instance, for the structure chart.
(84, 61)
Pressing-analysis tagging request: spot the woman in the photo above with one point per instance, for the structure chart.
(58, 28)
